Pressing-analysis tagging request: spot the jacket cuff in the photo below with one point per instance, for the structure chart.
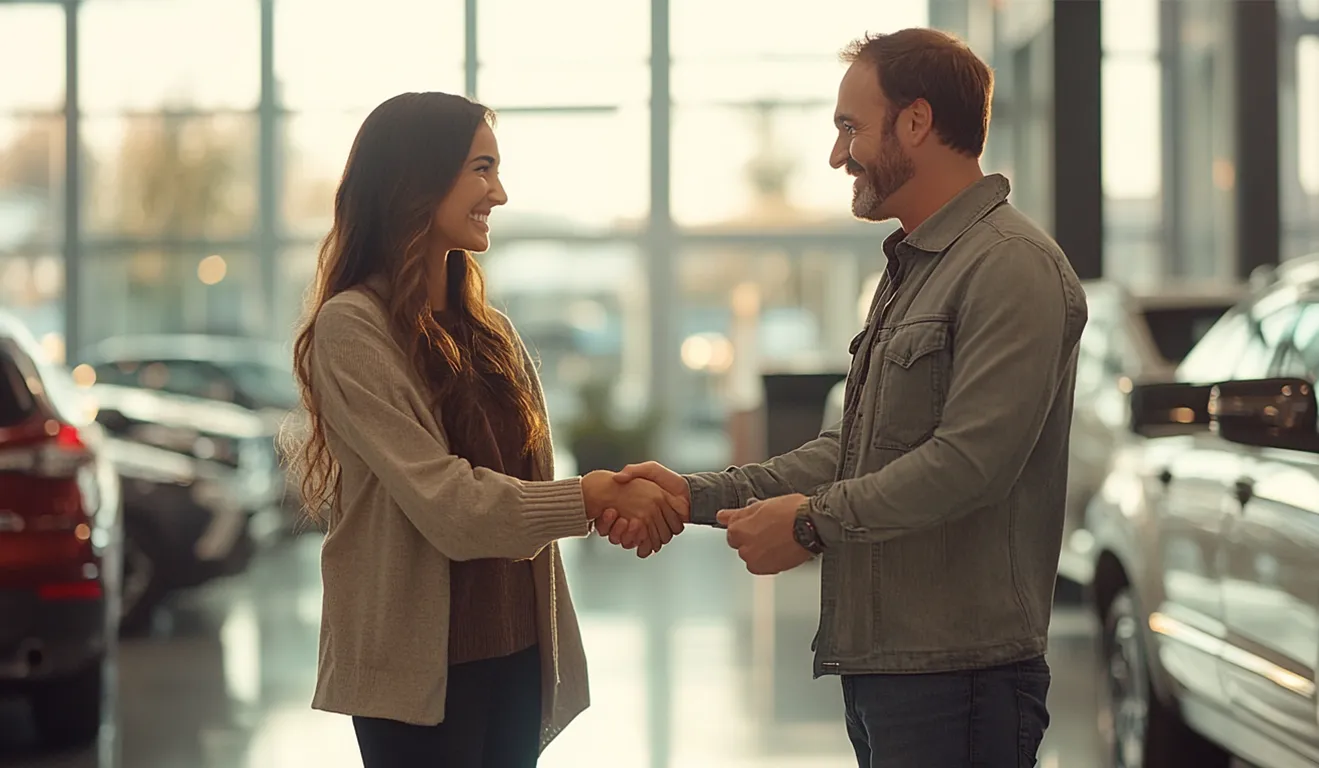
(711, 492)
(829, 527)
(555, 509)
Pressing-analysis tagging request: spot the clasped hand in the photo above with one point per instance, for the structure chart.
(761, 532)
(641, 515)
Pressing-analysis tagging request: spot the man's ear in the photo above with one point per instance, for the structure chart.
(916, 123)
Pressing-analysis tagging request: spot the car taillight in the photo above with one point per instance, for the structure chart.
(76, 590)
(59, 453)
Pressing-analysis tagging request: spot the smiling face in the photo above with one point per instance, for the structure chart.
(868, 145)
(462, 218)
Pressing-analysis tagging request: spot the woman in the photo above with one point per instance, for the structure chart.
(445, 606)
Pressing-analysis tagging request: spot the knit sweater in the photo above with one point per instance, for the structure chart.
(406, 508)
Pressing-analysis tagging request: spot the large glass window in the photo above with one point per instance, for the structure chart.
(570, 171)
(168, 99)
(149, 289)
(32, 166)
(149, 55)
(1205, 140)
(333, 64)
(582, 311)
(574, 118)
(170, 175)
(1298, 80)
(338, 56)
(1019, 47)
(758, 165)
(753, 111)
(1132, 144)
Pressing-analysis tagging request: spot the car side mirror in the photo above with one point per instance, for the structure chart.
(1166, 407)
(1272, 413)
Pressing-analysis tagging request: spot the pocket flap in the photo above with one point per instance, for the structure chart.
(915, 341)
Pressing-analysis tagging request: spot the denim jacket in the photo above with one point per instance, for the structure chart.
(940, 494)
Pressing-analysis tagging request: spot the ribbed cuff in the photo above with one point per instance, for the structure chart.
(555, 509)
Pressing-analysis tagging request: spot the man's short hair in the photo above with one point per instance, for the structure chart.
(928, 64)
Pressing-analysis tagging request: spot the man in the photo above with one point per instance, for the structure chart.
(936, 504)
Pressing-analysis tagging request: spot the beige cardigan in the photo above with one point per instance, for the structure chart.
(405, 509)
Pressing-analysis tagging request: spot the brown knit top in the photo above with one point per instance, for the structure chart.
(492, 609)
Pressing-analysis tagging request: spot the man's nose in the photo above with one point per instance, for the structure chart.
(839, 157)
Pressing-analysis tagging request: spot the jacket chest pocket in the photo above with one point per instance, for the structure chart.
(913, 367)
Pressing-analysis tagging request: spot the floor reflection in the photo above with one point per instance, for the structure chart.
(693, 663)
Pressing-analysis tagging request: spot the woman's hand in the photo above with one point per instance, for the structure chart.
(653, 516)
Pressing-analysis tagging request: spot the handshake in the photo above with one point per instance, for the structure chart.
(642, 507)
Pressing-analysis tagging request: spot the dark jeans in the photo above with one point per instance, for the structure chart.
(492, 720)
(985, 718)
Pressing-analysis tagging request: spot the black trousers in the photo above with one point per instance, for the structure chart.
(984, 718)
(492, 720)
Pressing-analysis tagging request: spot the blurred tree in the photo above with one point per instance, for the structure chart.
(33, 161)
(174, 178)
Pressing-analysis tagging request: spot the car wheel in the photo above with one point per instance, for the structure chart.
(67, 712)
(142, 587)
(1140, 731)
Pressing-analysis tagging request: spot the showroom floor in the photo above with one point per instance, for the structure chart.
(225, 679)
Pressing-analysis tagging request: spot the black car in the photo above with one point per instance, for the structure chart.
(254, 374)
(60, 539)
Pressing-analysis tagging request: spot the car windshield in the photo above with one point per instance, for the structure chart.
(1176, 330)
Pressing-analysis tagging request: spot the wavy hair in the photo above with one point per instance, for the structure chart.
(405, 159)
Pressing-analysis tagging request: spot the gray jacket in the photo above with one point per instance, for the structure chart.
(943, 514)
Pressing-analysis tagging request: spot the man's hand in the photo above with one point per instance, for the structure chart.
(640, 514)
(624, 531)
(762, 534)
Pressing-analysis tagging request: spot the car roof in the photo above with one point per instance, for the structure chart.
(179, 410)
(198, 347)
(1181, 295)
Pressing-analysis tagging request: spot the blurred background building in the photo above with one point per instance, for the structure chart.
(170, 165)
(676, 250)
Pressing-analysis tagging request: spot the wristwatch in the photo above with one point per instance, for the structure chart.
(805, 533)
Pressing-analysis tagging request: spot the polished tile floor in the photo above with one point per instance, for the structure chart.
(694, 664)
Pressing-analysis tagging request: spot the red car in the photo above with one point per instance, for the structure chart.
(60, 542)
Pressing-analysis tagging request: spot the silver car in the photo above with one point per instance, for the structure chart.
(1130, 338)
(1206, 547)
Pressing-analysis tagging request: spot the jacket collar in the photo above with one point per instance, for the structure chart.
(937, 233)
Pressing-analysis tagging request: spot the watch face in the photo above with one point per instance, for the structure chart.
(805, 534)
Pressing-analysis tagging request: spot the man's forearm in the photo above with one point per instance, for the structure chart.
(805, 470)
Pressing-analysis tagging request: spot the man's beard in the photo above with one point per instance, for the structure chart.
(880, 180)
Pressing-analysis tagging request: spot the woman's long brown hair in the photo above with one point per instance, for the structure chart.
(405, 159)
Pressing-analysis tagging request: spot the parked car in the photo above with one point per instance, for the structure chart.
(1131, 337)
(255, 374)
(1206, 543)
(60, 539)
(201, 487)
